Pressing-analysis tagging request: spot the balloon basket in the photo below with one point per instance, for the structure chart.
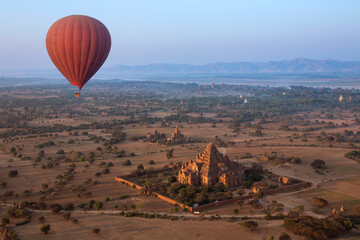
(77, 94)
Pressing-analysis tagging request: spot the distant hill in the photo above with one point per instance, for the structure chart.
(295, 65)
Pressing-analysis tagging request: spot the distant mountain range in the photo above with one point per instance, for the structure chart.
(298, 65)
(295, 65)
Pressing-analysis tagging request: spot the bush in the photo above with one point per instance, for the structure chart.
(316, 164)
(45, 228)
(5, 221)
(124, 196)
(169, 153)
(69, 206)
(317, 229)
(13, 173)
(56, 208)
(172, 179)
(66, 216)
(250, 225)
(98, 205)
(96, 230)
(61, 151)
(127, 163)
(151, 162)
(284, 236)
(41, 219)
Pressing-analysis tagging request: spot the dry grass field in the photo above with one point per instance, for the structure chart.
(338, 183)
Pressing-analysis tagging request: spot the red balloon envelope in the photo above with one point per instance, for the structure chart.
(78, 46)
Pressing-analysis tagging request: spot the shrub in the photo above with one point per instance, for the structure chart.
(56, 208)
(5, 221)
(61, 151)
(169, 153)
(69, 206)
(318, 163)
(13, 173)
(124, 196)
(45, 228)
(284, 236)
(74, 221)
(41, 219)
(66, 216)
(96, 230)
(98, 205)
(250, 225)
(316, 229)
(127, 163)
(172, 179)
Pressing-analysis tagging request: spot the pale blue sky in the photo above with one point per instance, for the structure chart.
(189, 31)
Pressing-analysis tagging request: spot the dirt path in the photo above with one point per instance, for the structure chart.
(56, 228)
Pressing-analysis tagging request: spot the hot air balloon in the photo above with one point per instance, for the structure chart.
(78, 46)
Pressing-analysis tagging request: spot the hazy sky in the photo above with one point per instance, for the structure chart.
(189, 31)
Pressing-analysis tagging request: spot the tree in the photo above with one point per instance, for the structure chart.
(172, 179)
(140, 167)
(284, 236)
(61, 151)
(96, 230)
(127, 163)
(151, 162)
(56, 208)
(45, 228)
(98, 205)
(67, 216)
(5, 221)
(13, 150)
(41, 219)
(250, 225)
(45, 186)
(201, 198)
(13, 173)
(169, 153)
(69, 206)
(317, 164)
(219, 186)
